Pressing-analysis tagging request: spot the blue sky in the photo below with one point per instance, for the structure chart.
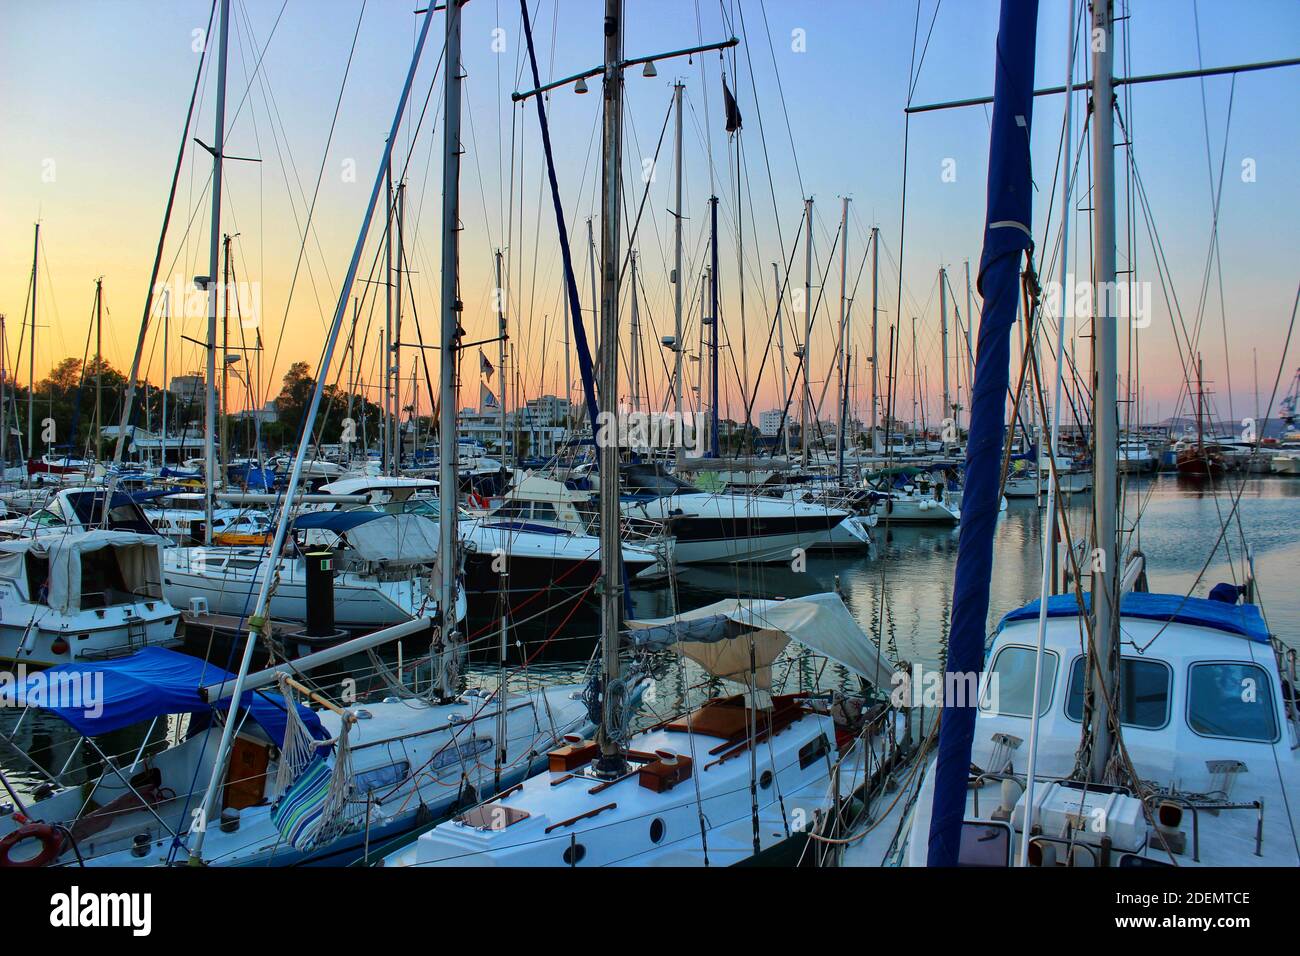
(99, 89)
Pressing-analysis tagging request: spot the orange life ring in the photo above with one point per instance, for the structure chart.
(51, 845)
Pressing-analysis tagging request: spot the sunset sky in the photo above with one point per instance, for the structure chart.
(95, 92)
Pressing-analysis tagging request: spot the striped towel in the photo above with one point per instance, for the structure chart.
(299, 813)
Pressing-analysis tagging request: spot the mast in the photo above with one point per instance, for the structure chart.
(785, 382)
(970, 343)
(225, 356)
(1048, 577)
(214, 247)
(451, 308)
(715, 324)
(634, 382)
(844, 334)
(677, 277)
(612, 762)
(31, 351)
(503, 689)
(946, 408)
(260, 607)
(1105, 578)
(595, 298)
(875, 315)
(395, 353)
(806, 430)
(386, 352)
(99, 362)
(166, 310)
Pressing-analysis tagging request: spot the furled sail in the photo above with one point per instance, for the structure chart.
(1006, 236)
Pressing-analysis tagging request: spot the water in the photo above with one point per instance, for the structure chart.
(900, 594)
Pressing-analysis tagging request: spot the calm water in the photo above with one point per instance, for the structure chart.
(900, 594)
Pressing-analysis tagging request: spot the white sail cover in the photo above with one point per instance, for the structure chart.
(138, 558)
(396, 539)
(819, 622)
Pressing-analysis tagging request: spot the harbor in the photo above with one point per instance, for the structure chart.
(523, 438)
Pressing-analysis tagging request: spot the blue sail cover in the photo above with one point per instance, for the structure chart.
(1243, 619)
(1006, 236)
(153, 683)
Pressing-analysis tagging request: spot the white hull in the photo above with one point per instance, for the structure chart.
(359, 602)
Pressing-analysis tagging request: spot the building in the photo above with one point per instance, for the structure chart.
(769, 423)
(187, 388)
(540, 426)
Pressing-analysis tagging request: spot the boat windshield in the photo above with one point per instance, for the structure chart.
(653, 480)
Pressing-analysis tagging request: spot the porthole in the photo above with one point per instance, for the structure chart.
(656, 830)
(574, 853)
(765, 779)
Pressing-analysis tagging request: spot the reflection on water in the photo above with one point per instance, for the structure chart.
(900, 595)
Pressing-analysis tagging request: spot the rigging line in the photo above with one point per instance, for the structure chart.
(320, 175)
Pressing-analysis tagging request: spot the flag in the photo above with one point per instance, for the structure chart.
(733, 112)
(484, 365)
(486, 398)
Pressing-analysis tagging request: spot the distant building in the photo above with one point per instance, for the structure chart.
(769, 423)
(265, 415)
(187, 388)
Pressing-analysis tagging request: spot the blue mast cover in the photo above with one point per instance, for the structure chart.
(1006, 236)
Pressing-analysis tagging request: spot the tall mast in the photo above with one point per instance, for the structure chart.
(844, 333)
(634, 382)
(504, 587)
(970, 342)
(214, 247)
(875, 315)
(612, 762)
(678, 345)
(99, 362)
(568, 368)
(31, 351)
(451, 308)
(166, 312)
(785, 381)
(715, 325)
(395, 356)
(225, 355)
(595, 297)
(1105, 577)
(946, 408)
(386, 417)
(806, 430)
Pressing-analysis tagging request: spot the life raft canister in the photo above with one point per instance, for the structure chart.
(51, 845)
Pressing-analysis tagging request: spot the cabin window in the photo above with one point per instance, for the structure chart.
(368, 781)
(1009, 688)
(512, 509)
(1233, 700)
(1144, 687)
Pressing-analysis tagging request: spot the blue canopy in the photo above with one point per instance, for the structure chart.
(1243, 619)
(337, 521)
(155, 682)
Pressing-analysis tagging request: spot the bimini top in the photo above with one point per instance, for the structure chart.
(404, 538)
(819, 622)
(102, 696)
(1243, 619)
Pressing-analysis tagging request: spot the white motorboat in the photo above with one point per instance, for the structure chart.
(81, 596)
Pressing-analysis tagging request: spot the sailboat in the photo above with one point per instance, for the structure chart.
(740, 777)
(1114, 727)
(366, 769)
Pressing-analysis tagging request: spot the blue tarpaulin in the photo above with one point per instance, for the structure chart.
(154, 682)
(1006, 237)
(337, 521)
(1243, 619)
